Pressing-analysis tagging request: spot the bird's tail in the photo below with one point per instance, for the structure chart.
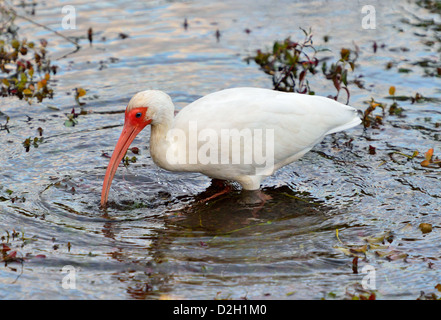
(353, 121)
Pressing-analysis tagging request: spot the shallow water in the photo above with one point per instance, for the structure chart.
(156, 240)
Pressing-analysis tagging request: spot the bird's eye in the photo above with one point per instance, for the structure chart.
(138, 115)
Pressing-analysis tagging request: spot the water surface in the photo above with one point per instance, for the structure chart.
(156, 240)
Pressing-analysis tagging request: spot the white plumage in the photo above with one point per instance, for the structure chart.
(296, 123)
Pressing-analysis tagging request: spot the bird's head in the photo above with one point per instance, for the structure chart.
(146, 107)
(149, 107)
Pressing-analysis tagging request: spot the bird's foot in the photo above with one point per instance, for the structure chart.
(256, 199)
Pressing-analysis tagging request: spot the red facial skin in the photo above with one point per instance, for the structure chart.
(135, 121)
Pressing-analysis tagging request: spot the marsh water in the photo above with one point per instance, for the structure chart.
(157, 240)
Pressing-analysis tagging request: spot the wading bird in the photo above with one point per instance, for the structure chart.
(239, 134)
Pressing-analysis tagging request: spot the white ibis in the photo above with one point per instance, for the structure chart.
(240, 134)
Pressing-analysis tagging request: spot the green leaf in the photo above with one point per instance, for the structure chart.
(15, 44)
(23, 77)
(344, 77)
(276, 47)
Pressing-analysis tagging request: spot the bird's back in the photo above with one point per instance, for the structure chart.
(296, 122)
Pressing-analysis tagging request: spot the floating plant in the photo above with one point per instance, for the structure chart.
(290, 63)
(24, 65)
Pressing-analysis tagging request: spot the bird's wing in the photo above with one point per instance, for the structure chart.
(297, 121)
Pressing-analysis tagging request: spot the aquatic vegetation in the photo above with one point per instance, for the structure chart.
(8, 257)
(394, 109)
(288, 63)
(373, 120)
(430, 160)
(123, 36)
(338, 71)
(24, 65)
(71, 119)
(79, 92)
(72, 116)
(387, 247)
(357, 292)
(5, 126)
(34, 142)
(425, 227)
(127, 160)
(430, 296)
(430, 37)
(7, 254)
(432, 5)
(10, 195)
(370, 119)
(354, 292)
(90, 35)
(364, 182)
(8, 192)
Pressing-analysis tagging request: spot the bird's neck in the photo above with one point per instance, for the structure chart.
(158, 142)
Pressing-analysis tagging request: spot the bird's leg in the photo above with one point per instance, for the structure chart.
(255, 197)
(220, 185)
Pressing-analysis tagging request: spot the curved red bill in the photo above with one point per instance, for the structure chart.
(128, 134)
